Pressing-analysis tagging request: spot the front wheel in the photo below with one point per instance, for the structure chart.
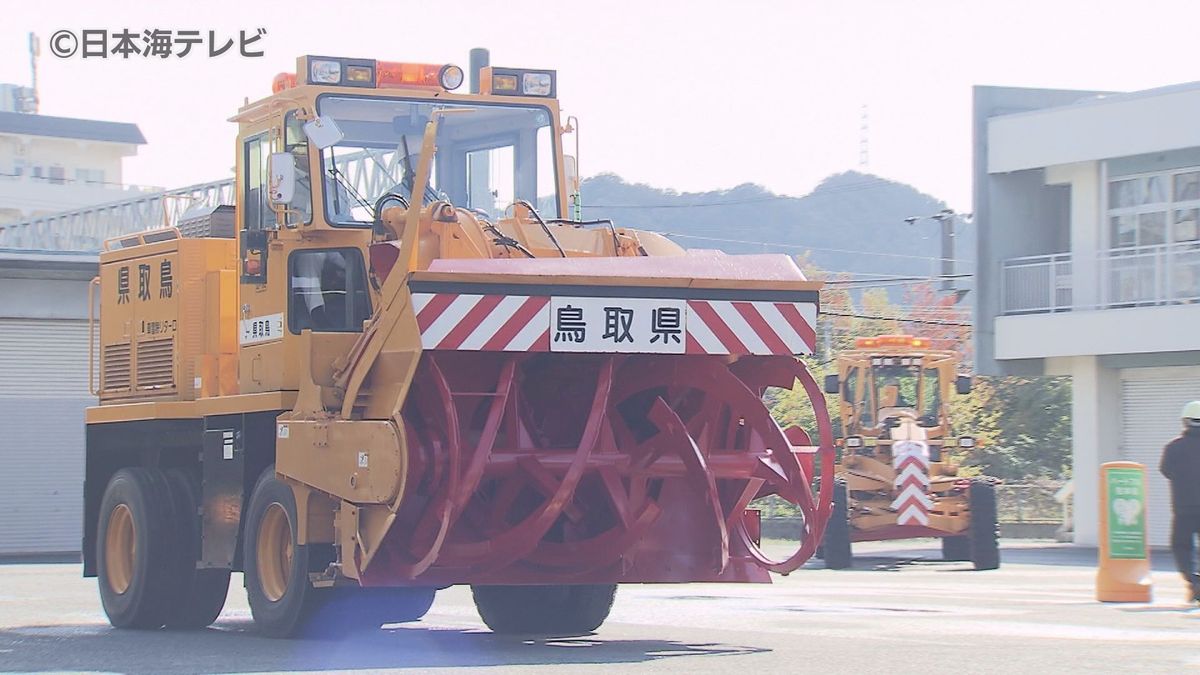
(544, 610)
(956, 549)
(277, 586)
(836, 543)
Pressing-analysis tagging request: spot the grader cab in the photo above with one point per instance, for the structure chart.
(896, 476)
(410, 368)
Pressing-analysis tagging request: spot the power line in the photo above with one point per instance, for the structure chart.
(930, 322)
(800, 246)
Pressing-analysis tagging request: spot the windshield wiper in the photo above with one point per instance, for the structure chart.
(340, 178)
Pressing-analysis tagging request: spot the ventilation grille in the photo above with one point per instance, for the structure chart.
(156, 364)
(115, 369)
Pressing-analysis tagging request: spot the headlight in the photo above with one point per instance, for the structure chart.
(854, 441)
(966, 442)
(450, 77)
(324, 72)
(535, 84)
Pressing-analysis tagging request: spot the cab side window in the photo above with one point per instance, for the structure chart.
(258, 213)
(327, 291)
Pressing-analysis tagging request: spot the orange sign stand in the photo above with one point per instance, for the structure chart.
(1124, 570)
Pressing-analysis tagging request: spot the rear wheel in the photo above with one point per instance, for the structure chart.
(836, 543)
(956, 549)
(984, 530)
(544, 610)
(136, 551)
(201, 592)
(277, 586)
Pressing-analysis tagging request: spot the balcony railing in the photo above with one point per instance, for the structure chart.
(1040, 283)
(1124, 277)
(1150, 275)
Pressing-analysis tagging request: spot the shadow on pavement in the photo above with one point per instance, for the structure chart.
(232, 646)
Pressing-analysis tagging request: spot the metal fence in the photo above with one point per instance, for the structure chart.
(1150, 275)
(1040, 283)
(1025, 503)
(1126, 277)
(1029, 503)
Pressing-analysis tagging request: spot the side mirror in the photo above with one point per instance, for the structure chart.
(832, 386)
(323, 132)
(281, 184)
(963, 384)
(571, 167)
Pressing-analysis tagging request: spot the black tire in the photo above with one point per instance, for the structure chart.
(984, 530)
(201, 592)
(836, 542)
(544, 610)
(136, 591)
(288, 612)
(956, 549)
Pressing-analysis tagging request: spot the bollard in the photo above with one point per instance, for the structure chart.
(1124, 570)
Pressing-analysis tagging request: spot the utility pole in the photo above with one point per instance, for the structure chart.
(35, 50)
(948, 220)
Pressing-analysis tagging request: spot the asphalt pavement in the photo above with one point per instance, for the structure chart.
(900, 610)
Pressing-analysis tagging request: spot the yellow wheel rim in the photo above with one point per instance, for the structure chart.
(274, 549)
(120, 549)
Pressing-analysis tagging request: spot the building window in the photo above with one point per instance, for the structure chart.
(95, 176)
(58, 175)
(1154, 209)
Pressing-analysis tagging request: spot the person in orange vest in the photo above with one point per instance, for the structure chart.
(1181, 465)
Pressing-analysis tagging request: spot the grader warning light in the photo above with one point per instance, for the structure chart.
(891, 341)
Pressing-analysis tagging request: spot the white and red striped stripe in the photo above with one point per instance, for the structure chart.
(521, 323)
(910, 459)
(757, 327)
(467, 322)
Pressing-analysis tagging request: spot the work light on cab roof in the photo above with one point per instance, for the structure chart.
(372, 74)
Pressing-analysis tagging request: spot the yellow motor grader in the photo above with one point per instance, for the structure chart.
(896, 478)
(407, 367)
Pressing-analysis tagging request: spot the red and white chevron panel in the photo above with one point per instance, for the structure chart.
(468, 322)
(735, 327)
(526, 323)
(910, 459)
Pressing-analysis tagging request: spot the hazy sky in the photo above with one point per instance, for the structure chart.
(692, 95)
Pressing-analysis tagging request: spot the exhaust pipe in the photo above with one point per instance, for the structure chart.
(480, 58)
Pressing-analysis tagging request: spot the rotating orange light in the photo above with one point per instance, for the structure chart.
(393, 74)
(283, 81)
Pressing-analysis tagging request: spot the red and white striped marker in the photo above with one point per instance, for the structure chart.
(526, 323)
(756, 327)
(910, 459)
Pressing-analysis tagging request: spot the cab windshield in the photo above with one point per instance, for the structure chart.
(488, 156)
(885, 390)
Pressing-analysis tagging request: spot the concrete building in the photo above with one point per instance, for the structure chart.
(1087, 206)
(43, 391)
(47, 165)
(50, 164)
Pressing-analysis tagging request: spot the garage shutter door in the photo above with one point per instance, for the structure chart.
(1151, 399)
(43, 393)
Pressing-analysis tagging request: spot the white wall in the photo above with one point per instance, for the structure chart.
(1117, 126)
(1084, 179)
(1133, 330)
(1095, 432)
(25, 196)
